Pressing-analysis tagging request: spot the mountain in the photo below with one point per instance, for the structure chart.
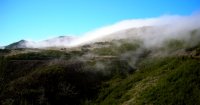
(119, 72)
(15, 45)
(117, 65)
(61, 41)
(137, 66)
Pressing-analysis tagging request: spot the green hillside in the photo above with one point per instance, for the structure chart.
(160, 81)
(112, 74)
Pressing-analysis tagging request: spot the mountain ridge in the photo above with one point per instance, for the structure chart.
(52, 42)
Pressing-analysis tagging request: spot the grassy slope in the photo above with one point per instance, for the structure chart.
(164, 81)
(39, 79)
(159, 81)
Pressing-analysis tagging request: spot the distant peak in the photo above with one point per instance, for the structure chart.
(22, 40)
(62, 36)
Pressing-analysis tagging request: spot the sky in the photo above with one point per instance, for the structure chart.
(42, 19)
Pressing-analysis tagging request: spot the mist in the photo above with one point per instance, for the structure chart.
(153, 31)
(61, 41)
(154, 35)
(157, 29)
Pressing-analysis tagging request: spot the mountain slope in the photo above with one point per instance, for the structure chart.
(61, 41)
(19, 44)
(147, 69)
(102, 74)
(159, 81)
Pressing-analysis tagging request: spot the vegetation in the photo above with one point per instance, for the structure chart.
(117, 48)
(174, 44)
(52, 77)
(4, 51)
(168, 81)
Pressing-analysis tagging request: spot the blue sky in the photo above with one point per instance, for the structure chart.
(42, 19)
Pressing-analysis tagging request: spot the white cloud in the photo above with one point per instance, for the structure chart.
(173, 23)
(167, 26)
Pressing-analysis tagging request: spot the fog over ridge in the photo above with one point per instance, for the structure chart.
(163, 27)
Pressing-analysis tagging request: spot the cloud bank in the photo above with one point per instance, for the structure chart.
(166, 26)
(151, 30)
